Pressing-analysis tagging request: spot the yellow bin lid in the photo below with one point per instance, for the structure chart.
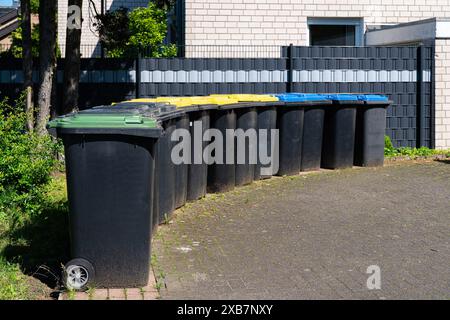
(248, 97)
(181, 102)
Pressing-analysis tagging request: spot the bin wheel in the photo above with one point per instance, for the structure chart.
(78, 273)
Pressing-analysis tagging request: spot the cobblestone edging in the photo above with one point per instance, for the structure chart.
(147, 293)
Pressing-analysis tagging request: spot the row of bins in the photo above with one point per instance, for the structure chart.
(122, 180)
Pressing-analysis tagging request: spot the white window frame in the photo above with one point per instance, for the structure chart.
(357, 22)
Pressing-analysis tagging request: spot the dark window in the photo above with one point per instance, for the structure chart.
(332, 35)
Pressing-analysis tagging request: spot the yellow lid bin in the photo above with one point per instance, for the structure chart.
(181, 102)
(248, 97)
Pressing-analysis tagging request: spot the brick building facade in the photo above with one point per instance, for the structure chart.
(280, 22)
(442, 98)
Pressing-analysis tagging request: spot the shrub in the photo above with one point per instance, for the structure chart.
(148, 27)
(26, 162)
(16, 46)
(113, 31)
(123, 33)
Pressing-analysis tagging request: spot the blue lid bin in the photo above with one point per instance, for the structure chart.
(290, 123)
(314, 118)
(339, 131)
(370, 130)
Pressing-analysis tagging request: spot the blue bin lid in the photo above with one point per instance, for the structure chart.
(343, 97)
(373, 98)
(301, 97)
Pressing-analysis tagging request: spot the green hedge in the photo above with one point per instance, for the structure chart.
(26, 163)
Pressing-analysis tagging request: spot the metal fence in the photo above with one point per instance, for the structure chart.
(188, 51)
(405, 74)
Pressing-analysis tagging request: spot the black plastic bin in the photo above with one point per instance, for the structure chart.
(313, 132)
(167, 172)
(339, 132)
(110, 169)
(181, 170)
(221, 176)
(245, 142)
(290, 125)
(198, 169)
(370, 130)
(267, 120)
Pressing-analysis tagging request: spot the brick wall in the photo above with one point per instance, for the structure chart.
(89, 38)
(274, 22)
(442, 94)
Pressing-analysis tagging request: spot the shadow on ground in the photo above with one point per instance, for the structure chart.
(41, 245)
(447, 161)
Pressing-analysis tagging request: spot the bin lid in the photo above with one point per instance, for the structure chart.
(373, 98)
(181, 102)
(302, 97)
(109, 120)
(248, 97)
(160, 110)
(345, 98)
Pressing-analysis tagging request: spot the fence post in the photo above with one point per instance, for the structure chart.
(138, 75)
(420, 114)
(432, 98)
(290, 65)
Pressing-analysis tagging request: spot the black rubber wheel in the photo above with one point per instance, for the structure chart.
(78, 274)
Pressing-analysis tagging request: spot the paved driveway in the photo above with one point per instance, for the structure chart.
(313, 237)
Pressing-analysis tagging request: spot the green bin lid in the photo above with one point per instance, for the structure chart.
(108, 120)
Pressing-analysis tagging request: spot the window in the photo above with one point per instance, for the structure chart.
(335, 32)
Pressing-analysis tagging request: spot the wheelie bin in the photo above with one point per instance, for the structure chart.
(110, 165)
(245, 148)
(200, 123)
(199, 110)
(198, 169)
(165, 179)
(180, 169)
(370, 130)
(264, 105)
(290, 118)
(220, 149)
(339, 131)
(183, 171)
(313, 131)
(268, 160)
(166, 169)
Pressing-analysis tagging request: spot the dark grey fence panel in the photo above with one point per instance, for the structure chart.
(402, 73)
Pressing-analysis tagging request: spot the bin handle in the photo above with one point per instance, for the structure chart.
(134, 120)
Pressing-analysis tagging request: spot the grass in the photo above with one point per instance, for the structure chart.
(415, 152)
(31, 253)
(159, 273)
(13, 283)
(412, 153)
